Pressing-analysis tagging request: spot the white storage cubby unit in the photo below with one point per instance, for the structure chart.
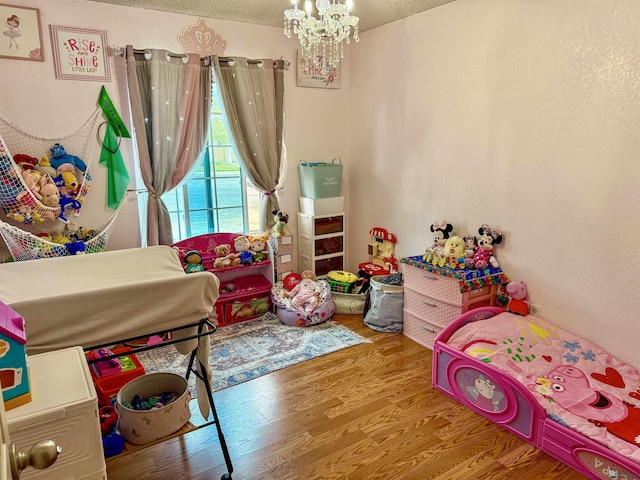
(321, 243)
(64, 408)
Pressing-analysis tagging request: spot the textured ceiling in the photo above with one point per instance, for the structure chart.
(372, 13)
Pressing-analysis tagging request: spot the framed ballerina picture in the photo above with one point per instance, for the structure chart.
(21, 34)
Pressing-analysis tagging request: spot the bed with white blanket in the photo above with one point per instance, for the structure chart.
(559, 392)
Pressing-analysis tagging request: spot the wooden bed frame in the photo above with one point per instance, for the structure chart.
(521, 414)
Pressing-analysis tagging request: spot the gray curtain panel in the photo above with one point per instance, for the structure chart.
(253, 97)
(170, 96)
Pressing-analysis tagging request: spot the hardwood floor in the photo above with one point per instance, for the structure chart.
(366, 412)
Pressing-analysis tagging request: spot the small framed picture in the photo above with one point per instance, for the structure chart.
(80, 53)
(21, 34)
(312, 74)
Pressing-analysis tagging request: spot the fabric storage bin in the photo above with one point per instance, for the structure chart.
(386, 306)
(349, 303)
(145, 426)
(320, 179)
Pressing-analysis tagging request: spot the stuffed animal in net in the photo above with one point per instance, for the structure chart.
(483, 256)
(441, 231)
(281, 219)
(59, 157)
(305, 296)
(517, 293)
(50, 198)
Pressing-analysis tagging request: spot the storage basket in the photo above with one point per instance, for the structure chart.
(320, 179)
(385, 313)
(341, 282)
(145, 426)
(349, 303)
(339, 287)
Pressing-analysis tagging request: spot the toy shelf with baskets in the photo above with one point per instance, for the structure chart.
(243, 298)
(245, 289)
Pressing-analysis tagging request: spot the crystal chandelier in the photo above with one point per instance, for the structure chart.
(322, 39)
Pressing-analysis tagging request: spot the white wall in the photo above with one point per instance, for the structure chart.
(517, 113)
(33, 98)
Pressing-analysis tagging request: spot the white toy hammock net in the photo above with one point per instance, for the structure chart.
(21, 152)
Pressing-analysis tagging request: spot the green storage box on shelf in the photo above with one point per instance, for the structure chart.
(320, 179)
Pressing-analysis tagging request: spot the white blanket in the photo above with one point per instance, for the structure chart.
(104, 297)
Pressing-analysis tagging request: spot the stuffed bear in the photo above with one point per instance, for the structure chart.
(483, 256)
(452, 255)
(225, 257)
(68, 181)
(441, 231)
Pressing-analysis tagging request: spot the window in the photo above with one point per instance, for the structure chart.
(217, 196)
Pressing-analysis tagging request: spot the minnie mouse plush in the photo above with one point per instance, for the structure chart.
(483, 256)
(441, 231)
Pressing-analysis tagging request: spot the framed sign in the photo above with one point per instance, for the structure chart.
(312, 75)
(80, 53)
(21, 34)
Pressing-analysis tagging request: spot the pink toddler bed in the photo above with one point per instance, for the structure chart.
(555, 390)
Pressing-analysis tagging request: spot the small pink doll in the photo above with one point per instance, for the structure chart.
(305, 296)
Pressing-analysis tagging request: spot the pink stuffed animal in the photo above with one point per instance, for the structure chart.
(517, 303)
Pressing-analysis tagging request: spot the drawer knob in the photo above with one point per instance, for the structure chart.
(431, 304)
(431, 276)
(429, 329)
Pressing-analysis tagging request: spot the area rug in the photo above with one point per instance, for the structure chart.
(247, 350)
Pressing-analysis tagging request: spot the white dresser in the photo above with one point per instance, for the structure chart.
(435, 296)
